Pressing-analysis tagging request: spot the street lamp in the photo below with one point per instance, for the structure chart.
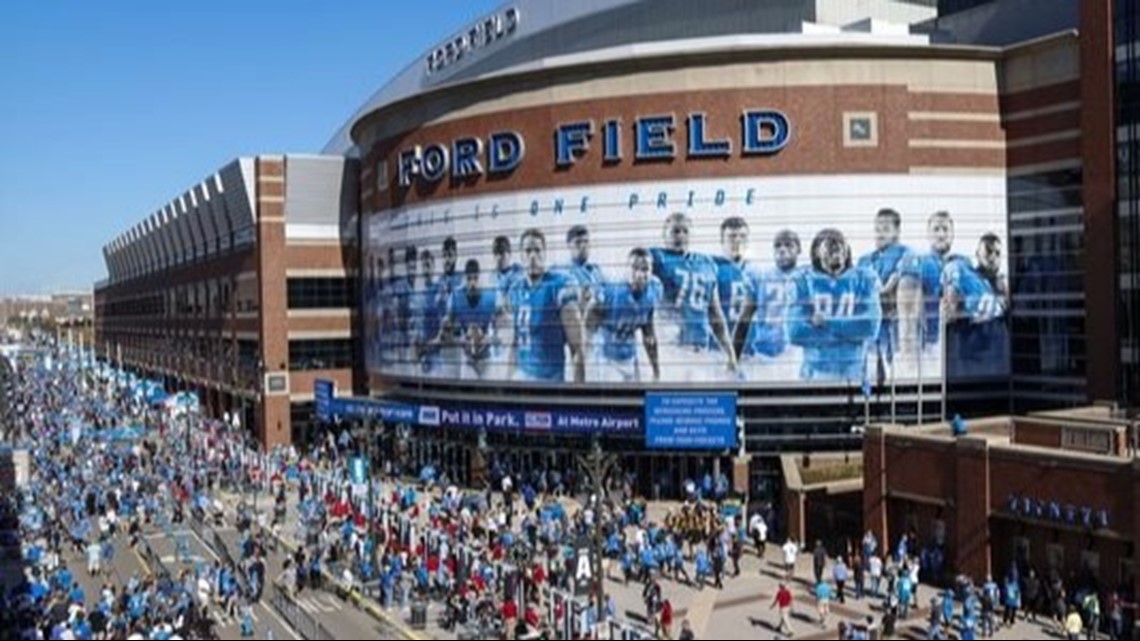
(597, 464)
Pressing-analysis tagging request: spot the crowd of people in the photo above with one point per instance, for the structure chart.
(1077, 606)
(510, 560)
(107, 471)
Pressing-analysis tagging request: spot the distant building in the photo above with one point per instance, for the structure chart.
(68, 308)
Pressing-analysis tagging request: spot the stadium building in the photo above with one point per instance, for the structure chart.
(715, 231)
(828, 210)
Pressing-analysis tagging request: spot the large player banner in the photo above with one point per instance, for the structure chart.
(774, 281)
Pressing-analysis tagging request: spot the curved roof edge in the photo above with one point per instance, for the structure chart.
(523, 34)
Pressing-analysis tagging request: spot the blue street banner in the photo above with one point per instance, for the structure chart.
(495, 419)
(690, 421)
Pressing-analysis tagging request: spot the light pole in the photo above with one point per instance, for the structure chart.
(597, 464)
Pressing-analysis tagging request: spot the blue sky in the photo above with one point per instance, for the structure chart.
(110, 109)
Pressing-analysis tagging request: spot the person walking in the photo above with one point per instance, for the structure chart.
(783, 600)
(859, 569)
(1073, 625)
(1012, 600)
(823, 594)
(667, 619)
(875, 570)
(686, 632)
(819, 560)
(791, 551)
(839, 573)
(737, 552)
(1115, 615)
(1091, 605)
(1032, 596)
(758, 528)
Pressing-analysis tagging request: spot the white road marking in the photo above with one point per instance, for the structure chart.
(206, 547)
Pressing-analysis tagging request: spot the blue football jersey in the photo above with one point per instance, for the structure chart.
(737, 283)
(428, 311)
(775, 290)
(588, 276)
(887, 261)
(623, 313)
(447, 285)
(852, 312)
(928, 269)
(540, 339)
(689, 282)
(978, 297)
(504, 278)
(402, 293)
(470, 313)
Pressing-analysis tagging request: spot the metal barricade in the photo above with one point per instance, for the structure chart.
(300, 620)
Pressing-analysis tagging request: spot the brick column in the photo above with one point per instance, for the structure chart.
(1098, 154)
(273, 422)
(1135, 507)
(741, 481)
(971, 553)
(875, 501)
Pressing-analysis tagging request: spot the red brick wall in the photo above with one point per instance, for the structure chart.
(1098, 153)
(274, 421)
(816, 145)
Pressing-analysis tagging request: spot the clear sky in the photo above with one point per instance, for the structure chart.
(110, 109)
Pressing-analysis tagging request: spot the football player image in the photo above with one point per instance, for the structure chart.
(506, 270)
(372, 292)
(919, 293)
(588, 275)
(473, 313)
(449, 282)
(693, 306)
(975, 300)
(403, 293)
(506, 273)
(836, 311)
(589, 278)
(619, 311)
(762, 332)
(736, 280)
(886, 260)
(547, 319)
(385, 313)
(427, 312)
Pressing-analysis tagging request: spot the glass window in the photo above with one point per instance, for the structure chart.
(321, 293)
(320, 354)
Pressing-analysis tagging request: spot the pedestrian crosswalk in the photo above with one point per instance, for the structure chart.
(318, 603)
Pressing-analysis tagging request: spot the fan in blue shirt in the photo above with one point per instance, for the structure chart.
(547, 318)
(835, 312)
